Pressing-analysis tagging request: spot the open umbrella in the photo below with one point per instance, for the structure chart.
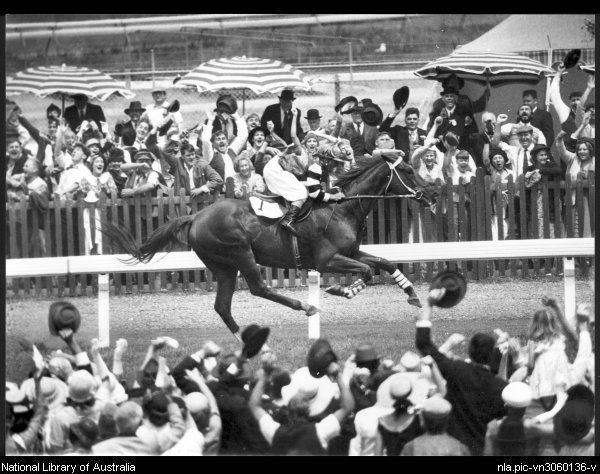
(495, 68)
(65, 80)
(258, 75)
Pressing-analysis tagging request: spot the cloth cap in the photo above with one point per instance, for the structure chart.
(525, 128)
(144, 155)
(196, 402)
(410, 361)
(517, 395)
(82, 386)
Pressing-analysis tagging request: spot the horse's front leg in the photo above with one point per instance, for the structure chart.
(341, 264)
(397, 275)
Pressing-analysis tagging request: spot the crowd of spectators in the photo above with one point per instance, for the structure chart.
(510, 396)
(81, 155)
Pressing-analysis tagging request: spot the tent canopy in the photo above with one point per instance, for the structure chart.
(520, 33)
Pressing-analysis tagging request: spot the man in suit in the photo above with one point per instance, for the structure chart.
(195, 176)
(361, 136)
(135, 111)
(408, 137)
(541, 119)
(82, 110)
(455, 116)
(282, 117)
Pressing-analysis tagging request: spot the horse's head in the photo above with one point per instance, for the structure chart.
(404, 182)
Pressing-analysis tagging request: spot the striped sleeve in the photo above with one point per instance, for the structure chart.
(313, 183)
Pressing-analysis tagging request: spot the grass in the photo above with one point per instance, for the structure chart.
(379, 315)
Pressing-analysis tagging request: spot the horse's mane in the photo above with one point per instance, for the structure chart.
(361, 167)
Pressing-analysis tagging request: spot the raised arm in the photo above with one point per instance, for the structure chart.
(579, 113)
(206, 137)
(563, 153)
(480, 104)
(213, 435)
(346, 398)
(239, 142)
(562, 109)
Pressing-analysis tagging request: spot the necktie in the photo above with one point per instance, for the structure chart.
(287, 126)
(525, 160)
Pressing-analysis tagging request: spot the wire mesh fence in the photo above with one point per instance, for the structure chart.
(324, 96)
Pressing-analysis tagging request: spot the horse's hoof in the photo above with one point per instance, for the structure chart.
(312, 310)
(414, 301)
(335, 290)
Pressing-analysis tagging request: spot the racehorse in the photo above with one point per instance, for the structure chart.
(228, 236)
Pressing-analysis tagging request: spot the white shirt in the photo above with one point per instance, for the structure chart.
(516, 156)
(359, 127)
(73, 176)
(366, 424)
(327, 428)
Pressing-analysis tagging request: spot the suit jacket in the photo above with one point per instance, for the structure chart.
(542, 119)
(400, 136)
(273, 113)
(125, 129)
(92, 112)
(361, 144)
(202, 174)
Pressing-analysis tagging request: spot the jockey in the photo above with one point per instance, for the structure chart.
(282, 175)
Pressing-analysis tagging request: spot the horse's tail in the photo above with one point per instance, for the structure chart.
(163, 237)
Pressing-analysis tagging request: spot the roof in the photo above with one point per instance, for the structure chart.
(519, 33)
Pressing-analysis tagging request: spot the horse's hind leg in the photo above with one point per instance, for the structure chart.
(258, 287)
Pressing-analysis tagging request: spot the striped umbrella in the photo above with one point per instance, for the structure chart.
(258, 75)
(495, 68)
(65, 80)
(589, 68)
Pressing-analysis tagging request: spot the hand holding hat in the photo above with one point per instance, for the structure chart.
(447, 289)
(571, 58)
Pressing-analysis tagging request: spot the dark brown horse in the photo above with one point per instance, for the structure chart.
(228, 236)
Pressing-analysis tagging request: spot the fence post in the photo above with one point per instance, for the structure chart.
(569, 279)
(336, 89)
(314, 321)
(103, 310)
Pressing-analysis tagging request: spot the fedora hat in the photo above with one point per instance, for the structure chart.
(63, 315)
(254, 337)
(320, 355)
(287, 94)
(372, 114)
(455, 285)
(135, 106)
(571, 58)
(453, 81)
(346, 105)
(173, 107)
(227, 103)
(574, 420)
(449, 89)
(365, 353)
(312, 114)
(400, 97)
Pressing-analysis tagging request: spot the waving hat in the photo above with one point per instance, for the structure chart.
(254, 338)
(455, 285)
(572, 58)
(346, 105)
(62, 315)
(320, 355)
(401, 97)
(372, 114)
(227, 103)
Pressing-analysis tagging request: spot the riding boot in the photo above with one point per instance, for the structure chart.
(290, 218)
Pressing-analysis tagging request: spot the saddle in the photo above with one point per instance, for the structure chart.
(275, 207)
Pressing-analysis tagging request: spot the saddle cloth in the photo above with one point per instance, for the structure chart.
(275, 207)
